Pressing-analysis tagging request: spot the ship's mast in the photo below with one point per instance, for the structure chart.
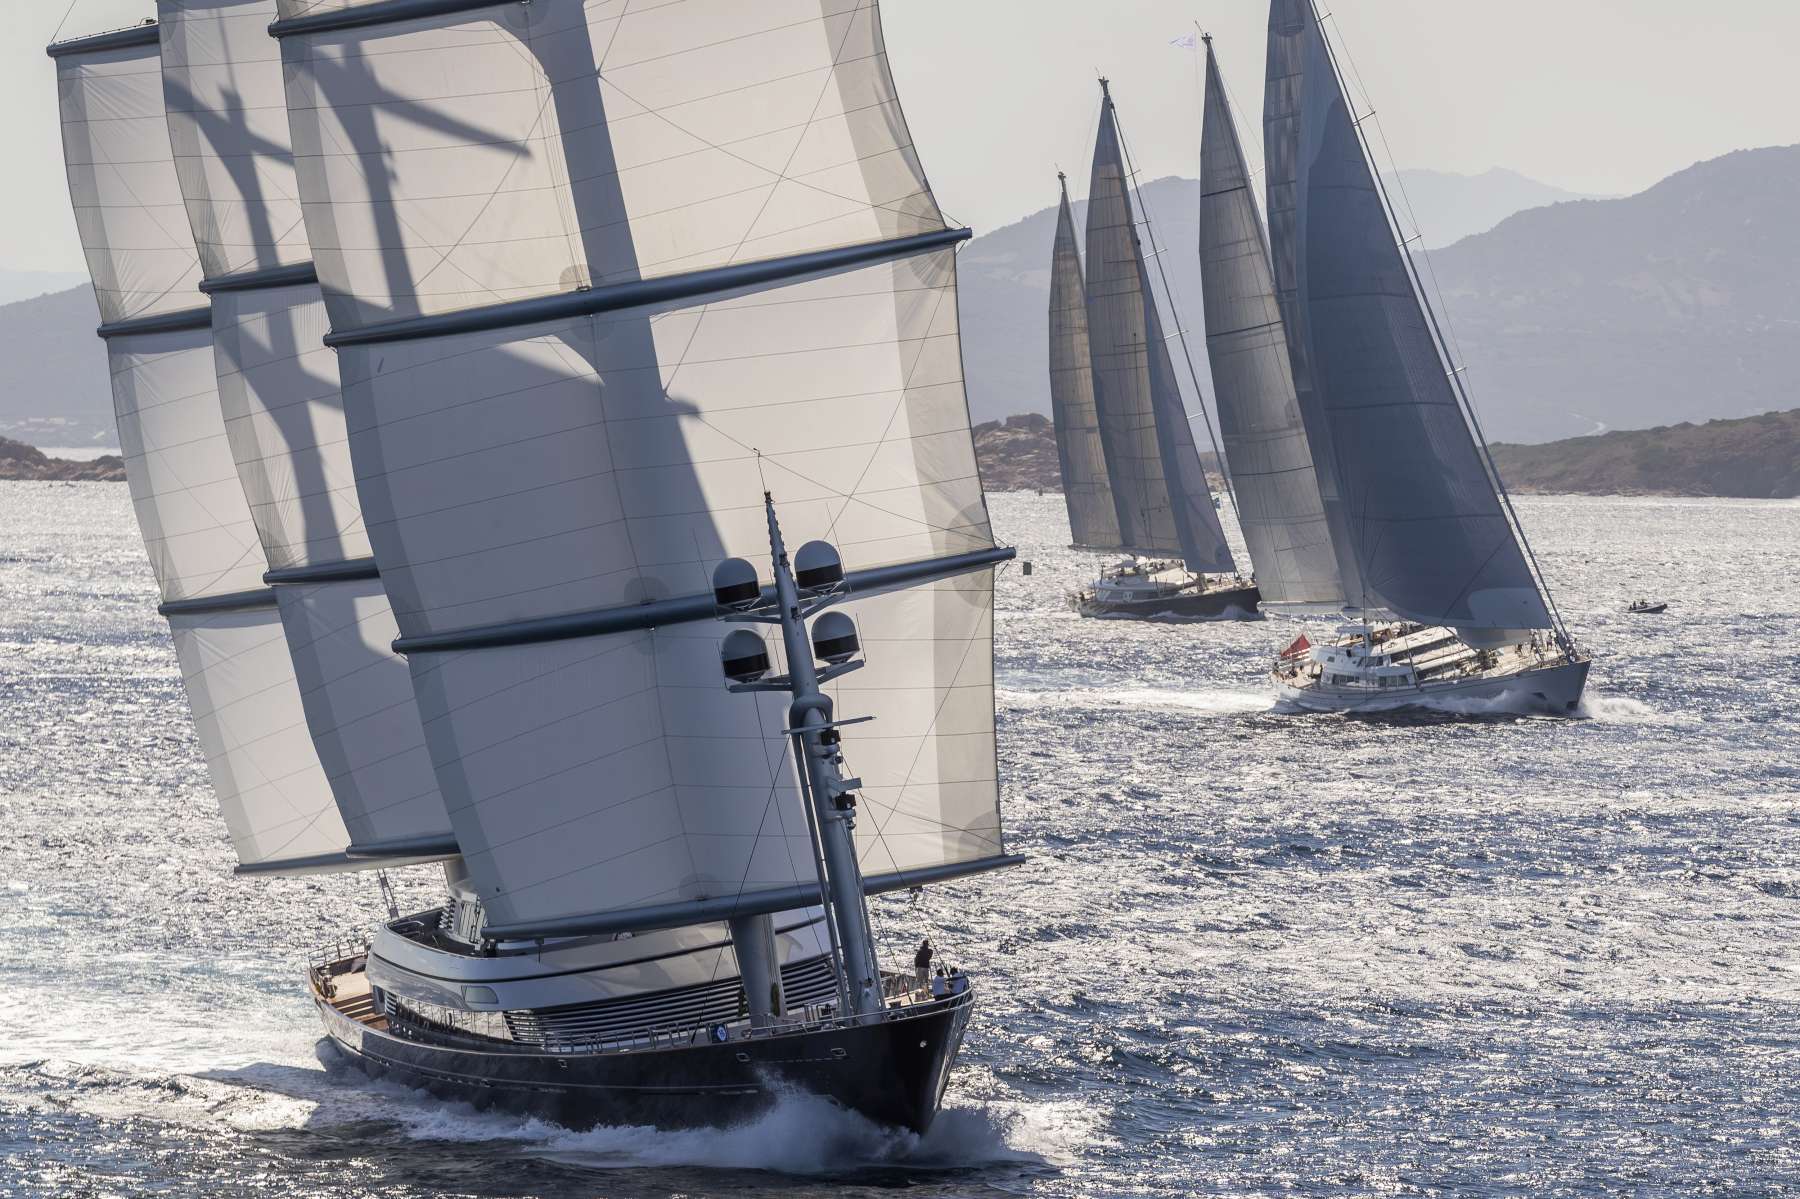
(830, 794)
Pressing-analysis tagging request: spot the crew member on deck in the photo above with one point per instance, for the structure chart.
(922, 963)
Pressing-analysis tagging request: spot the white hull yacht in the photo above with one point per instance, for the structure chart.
(1387, 667)
(1355, 445)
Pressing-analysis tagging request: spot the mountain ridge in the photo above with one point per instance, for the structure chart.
(1755, 457)
(1671, 304)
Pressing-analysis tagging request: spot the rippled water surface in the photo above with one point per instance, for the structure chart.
(1252, 953)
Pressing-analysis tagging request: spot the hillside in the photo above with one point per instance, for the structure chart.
(1754, 458)
(1019, 454)
(1451, 207)
(53, 383)
(23, 285)
(1673, 304)
(20, 461)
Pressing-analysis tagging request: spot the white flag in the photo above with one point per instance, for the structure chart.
(1185, 41)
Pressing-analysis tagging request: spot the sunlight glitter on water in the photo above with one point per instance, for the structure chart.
(1250, 954)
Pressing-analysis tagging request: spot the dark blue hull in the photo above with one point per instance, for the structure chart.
(1234, 603)
(892, 1070)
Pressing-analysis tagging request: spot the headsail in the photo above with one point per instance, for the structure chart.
(1093, 517)
(596, 274)
(1246, 344)
(1422, 531)
(1164, 504)
(284, 420)
(196, 525)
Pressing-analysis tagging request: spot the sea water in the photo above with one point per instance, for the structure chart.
(1252, 953)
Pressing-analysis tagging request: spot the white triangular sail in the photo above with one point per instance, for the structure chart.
(1086, 488)
(197, 527)
(1277, 489)
(1419, 526)
(598, 275)
(284, 419)
(1164, 504)
(1093, 514)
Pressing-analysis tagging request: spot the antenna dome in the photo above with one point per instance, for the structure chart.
(735, 584)
(743, 656)
(817, 565)
(834, 638)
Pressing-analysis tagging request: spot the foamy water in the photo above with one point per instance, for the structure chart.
(1252, 953)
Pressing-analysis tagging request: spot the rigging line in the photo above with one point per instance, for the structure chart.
(749, 227)
(562, 188)
(750, 857)
(927, 736)
(64, 21)
(1180, 332)
(535, 132)
(1456, 380)
(1238, 127)
(894, 413)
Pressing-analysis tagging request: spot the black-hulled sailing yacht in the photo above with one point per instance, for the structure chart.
(1355, 439)
(1132, 476)
(463, 590)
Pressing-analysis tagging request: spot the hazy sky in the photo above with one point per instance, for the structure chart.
(1592, 95)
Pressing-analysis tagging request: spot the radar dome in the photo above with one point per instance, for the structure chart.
(735, 584)
(817, 566)
(834, 638)
(743, 656)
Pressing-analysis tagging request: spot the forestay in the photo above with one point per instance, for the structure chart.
(1093, 516)
(278, 385)
(1420, 516)
(664, 256)
(196, 525)
(1277, 490)
(1164, 504)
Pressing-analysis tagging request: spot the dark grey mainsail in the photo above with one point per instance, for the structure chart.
(1271, 464)
(1420, 530)
(1164, 504)
(1093, 516)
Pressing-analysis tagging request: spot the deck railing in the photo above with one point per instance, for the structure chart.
(899, 992)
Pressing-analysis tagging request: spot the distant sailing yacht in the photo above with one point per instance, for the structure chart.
(1132, 477)
(1440, 594)
(463, 591)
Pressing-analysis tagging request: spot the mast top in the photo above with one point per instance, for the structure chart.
(1207, 38)
(1105, 92)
